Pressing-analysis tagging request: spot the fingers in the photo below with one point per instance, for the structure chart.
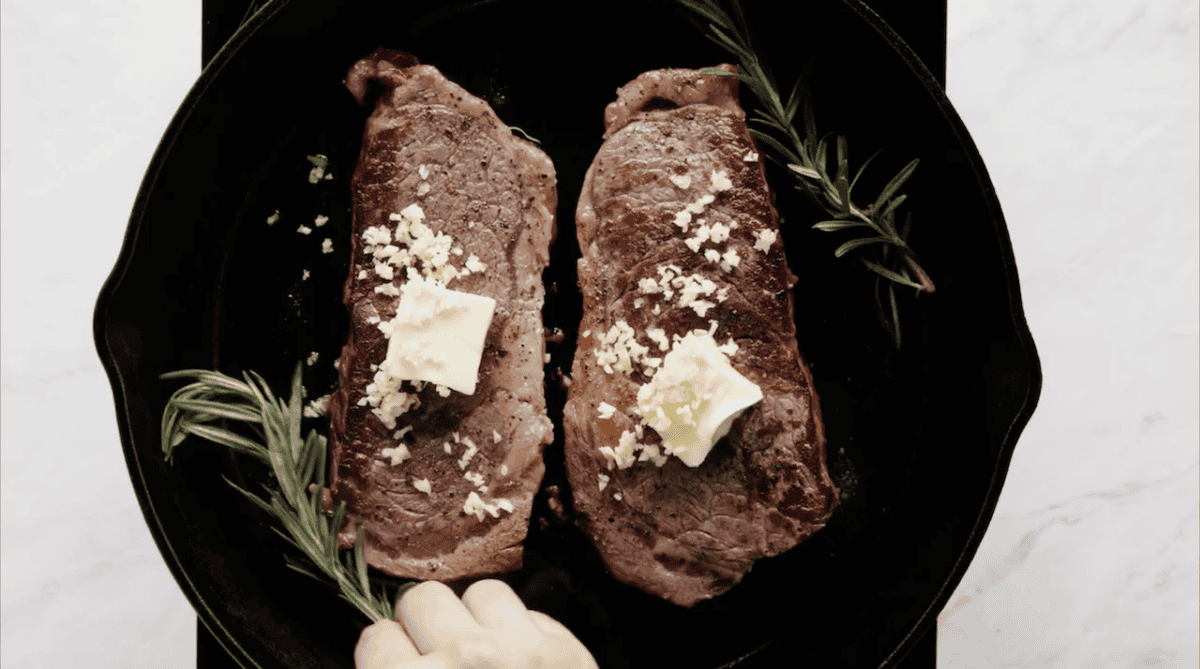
(576, 654)
(495, 606)
(549, 626)
(384, 645)
(433, 616)
(430, 661)
(489, 626)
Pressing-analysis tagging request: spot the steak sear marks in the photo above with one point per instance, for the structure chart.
(430, 143)
(689, 534)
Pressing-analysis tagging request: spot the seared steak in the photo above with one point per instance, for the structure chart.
(679, 175)
(408, 458)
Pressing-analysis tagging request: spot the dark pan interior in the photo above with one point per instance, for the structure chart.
(918, 439)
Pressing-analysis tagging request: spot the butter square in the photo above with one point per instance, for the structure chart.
(438, 335)
(694, 398)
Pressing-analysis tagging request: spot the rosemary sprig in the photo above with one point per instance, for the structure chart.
(807, 161)
(297, 463)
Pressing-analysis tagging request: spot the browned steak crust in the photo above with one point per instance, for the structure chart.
(688, 534)
(431, 143)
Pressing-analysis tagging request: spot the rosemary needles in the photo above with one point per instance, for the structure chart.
(879, 245)
(297, 463)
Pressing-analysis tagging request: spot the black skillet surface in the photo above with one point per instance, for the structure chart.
(919, 439)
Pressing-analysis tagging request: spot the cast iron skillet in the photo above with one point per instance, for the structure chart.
(919, 439)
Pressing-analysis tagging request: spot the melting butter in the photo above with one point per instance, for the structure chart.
(692, 400)
(438, 335)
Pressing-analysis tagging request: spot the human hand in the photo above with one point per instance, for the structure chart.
(490, 628)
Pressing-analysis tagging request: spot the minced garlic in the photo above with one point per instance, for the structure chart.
(389, 402)
(319, 163)
(477, 507)
(720, 180)
(682, 181)
(763, 239)
(618, 349)
(468, 454)
(475, 478)
(317, 407)
(398, 454)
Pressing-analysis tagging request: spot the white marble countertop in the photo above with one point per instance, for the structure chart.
(1086, 115)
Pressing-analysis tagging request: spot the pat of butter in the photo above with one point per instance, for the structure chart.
(438, 335)
(692, 400)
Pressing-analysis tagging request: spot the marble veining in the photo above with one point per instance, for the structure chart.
(1086, 115)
